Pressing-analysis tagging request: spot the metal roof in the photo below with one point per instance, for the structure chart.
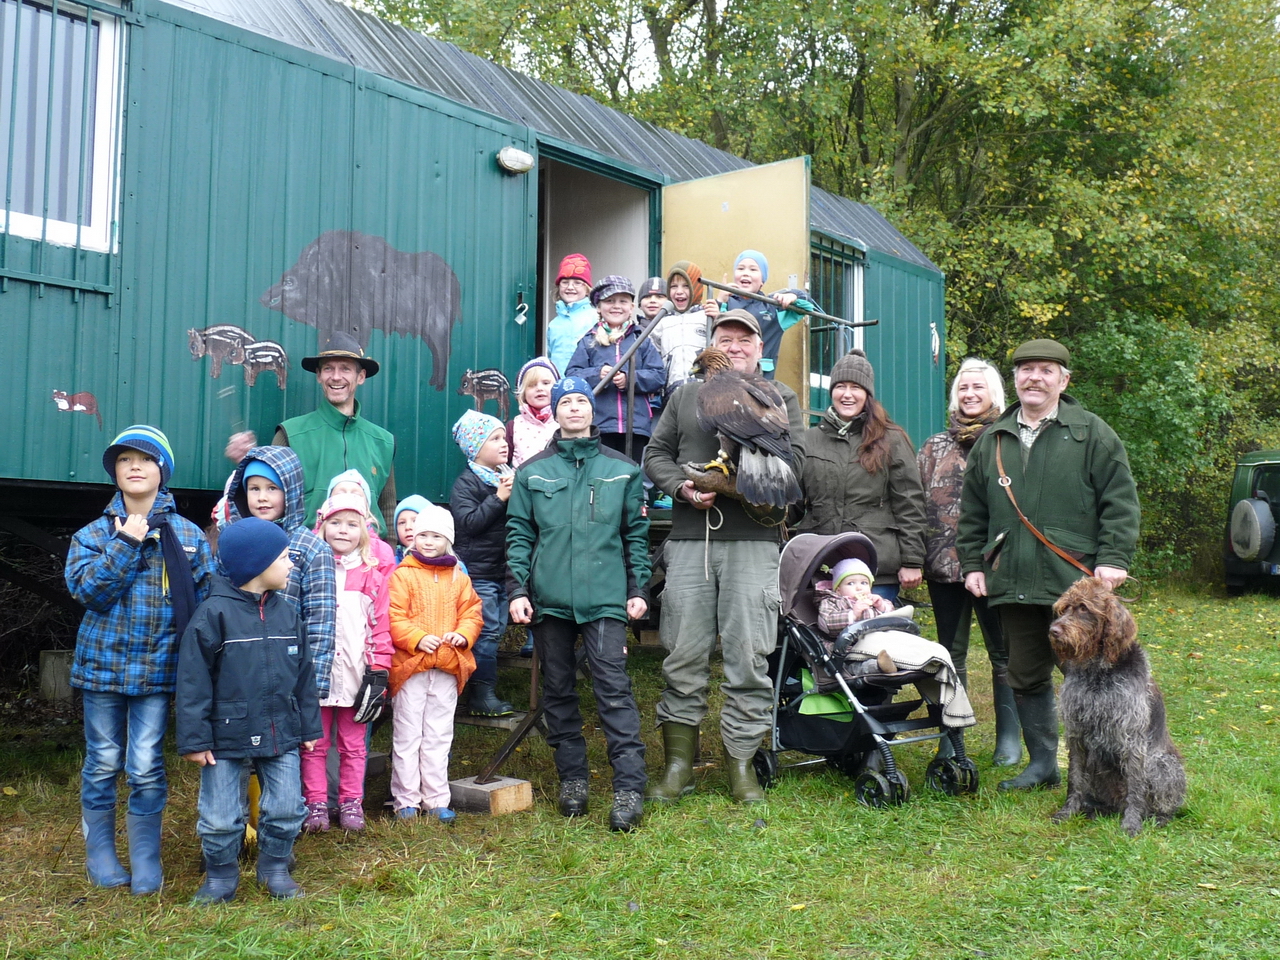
(335, 30)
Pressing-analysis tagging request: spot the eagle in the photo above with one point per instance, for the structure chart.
(749, 418)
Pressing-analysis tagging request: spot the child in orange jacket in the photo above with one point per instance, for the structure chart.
(435, 620)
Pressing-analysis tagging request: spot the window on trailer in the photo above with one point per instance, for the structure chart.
(59, 107)
(836, 283)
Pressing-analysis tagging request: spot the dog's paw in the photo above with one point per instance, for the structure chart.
(1132, 824)
(1064, 814)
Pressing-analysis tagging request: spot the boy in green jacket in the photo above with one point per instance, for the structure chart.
(578, 557)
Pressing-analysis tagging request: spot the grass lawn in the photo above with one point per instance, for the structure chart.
(810, 874)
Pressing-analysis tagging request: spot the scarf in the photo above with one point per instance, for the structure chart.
(177, 571)
(966, 430)
(607, 336)
(844, 427)
(541, 414)
(445, 560)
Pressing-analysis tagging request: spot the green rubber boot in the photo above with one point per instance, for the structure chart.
(742, 780)
(679, 744)
(1008, 729)
(1038, 715)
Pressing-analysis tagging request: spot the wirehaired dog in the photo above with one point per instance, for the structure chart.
(1121, 757)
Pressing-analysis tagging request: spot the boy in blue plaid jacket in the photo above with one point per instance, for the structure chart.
(139, 570)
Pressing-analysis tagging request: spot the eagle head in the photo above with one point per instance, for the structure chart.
(710, 362)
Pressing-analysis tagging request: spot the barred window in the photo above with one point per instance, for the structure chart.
(59, 122)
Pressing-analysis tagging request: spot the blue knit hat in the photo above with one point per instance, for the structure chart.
(758, 257)
(414, 502)
(148, 440)
(249, 546)
(568, 385)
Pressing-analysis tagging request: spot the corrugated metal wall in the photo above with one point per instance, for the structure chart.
(239, 152)
(906, 299)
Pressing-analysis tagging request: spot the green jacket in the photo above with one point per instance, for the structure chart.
(841, 496)
(578, 532)
(677, 439)
(329, 443)
(1076, 489)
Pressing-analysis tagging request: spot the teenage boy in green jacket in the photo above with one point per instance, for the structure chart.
(1069, 473)
(578, 556)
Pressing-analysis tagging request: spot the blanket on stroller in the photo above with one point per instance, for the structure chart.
(910, 652)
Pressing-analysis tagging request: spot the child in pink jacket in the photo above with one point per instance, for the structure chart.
(362, 639)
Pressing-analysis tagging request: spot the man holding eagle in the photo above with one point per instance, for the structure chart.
(728, 451)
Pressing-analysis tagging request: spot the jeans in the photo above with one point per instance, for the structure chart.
(124, 733)
(222, 806)
(887, 590)
(493, 607)
(605, 642)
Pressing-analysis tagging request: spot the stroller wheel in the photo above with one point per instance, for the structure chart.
(873, 789)
(901, 788)
(765, 763)
(952, 777)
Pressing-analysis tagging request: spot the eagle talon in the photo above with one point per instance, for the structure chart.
(716, 464)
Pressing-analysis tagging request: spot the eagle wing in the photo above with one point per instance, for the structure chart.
(748, 410)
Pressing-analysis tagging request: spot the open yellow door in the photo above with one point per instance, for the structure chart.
(710, 221)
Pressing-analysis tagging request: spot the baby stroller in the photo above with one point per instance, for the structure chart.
(849, 721)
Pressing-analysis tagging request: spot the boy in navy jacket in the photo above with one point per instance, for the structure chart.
(247, 692)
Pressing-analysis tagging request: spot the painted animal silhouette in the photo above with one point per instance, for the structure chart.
(357, 283)
(263, 355)
(223, 342)
(485, 385)
(77, 403)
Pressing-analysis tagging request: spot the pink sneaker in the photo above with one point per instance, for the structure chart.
(317, 820)
(351, 815)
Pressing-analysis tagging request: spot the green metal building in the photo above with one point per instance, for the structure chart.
(195, 191)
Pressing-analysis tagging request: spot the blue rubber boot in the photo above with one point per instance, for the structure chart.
(144, 854)
(100, 859)
(220, 882)
(273, 873)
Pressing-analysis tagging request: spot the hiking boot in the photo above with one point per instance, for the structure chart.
(351, 815)
(273, 873)
(573, 798)
(485, 703)
(1038, 715)
(679, 741)
(628, 809)
(317, 819)
(100, 859)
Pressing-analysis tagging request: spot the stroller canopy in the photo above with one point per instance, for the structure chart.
(803, 556)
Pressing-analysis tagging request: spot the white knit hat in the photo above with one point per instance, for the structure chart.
(433, 519)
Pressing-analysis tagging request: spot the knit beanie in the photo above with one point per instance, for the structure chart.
(260, 468)
(472, 430)
(654, 285)
(433, 519)
(545, 363)
(351, 476)
(414, 502)
(249, 546)
(854, 367)
(758, 257)
(145, 439)
(692, 274)
(575, 266)
(853, 567)
(609, 286)
(343, 501)
(567, 386)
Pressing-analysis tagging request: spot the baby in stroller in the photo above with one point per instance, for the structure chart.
(847, 599)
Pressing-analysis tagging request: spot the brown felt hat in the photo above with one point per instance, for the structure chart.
(741, 317)
(854, 367)
(1042, 350)
(341, 346)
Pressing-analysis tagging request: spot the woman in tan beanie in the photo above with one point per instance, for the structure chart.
(860, 475)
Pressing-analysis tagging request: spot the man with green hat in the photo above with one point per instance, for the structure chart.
(1068, 474)
(334, 438)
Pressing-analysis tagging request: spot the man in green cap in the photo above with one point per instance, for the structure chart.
(1069, 474)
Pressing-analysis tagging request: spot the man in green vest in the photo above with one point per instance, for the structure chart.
(334, 437)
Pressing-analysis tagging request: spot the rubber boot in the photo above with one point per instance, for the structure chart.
(273, 873)
(144, 854)
(1008, 730)
(220, 882)
(485, 703)
(1039, 717)
(945, 750)
(679, 741)
(742, 780)
(100, 859)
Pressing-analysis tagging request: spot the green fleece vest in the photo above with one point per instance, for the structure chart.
(328, 443)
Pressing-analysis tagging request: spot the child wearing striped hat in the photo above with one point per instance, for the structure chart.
(139, 570)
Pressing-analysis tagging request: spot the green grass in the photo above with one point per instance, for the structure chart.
(810, 874)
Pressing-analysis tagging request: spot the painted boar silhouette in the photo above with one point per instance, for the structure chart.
(357, 283)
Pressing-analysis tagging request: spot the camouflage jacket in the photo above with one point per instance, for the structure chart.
(941, 460)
